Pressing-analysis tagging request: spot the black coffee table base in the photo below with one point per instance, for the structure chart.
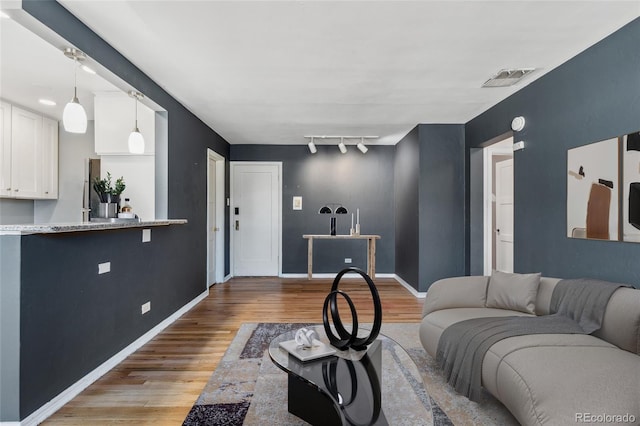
(312, 405)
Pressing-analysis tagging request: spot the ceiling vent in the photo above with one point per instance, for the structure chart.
(507, 77)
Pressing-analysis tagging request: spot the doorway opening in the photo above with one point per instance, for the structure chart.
(498, 206)
(215, 217)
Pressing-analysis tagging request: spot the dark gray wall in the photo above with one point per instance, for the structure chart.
(189, 137)
(441, 208)
(476, 210)
(72, 319)
(592, 97)
(430, 199)
(407, 177)
(356, 180)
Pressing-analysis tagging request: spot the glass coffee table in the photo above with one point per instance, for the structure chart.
(378, 386)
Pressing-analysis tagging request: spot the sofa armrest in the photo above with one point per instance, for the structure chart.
(457, 292)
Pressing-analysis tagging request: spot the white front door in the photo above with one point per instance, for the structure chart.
(255, 218)
(504, 216)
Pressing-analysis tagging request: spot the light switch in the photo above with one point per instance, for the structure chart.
(146, 307)
(103, 268)
(146, 235)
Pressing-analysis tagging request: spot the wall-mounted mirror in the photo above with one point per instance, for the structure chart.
(603, 189)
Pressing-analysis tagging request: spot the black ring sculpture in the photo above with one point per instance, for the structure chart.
(346, 339)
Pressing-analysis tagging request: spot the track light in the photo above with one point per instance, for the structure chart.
(361, 146)
(74, 117)
(136, 140)
(342, 146)
(312, 146)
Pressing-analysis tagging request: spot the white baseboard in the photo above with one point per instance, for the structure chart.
(416, 293)
(227, 278)
(331, 275)
(72, 391)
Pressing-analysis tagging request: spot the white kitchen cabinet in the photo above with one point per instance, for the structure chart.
(28, 154)
(114, 114)
(5, 149)
(49, 158)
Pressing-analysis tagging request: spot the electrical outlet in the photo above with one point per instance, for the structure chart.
(146, 307)
(146, 235)
(103, 268)
(347, 260)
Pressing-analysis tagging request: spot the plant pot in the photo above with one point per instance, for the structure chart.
(108, 210)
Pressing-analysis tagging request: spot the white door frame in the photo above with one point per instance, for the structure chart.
(278, 164)
(220, 210)
(504, 147)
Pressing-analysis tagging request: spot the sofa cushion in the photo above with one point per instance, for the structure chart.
(434, 324)
(500, 350)
(516, 292)
(621, 323)
(457, 292)
(556, 382)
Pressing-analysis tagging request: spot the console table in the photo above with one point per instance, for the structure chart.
(371, 249)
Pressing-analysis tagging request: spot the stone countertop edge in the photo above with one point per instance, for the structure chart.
(56, 228)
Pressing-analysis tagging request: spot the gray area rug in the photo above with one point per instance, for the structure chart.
(247, 388)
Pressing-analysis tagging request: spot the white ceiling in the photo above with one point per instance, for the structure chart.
(271, 72)
(31, 69)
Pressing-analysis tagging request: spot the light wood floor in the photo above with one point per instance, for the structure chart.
(159, 383)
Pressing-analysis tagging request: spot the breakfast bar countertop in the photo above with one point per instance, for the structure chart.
(54, 228)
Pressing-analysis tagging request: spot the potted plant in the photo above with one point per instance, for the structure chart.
(109, 195)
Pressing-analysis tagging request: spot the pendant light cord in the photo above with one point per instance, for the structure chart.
(75, 78)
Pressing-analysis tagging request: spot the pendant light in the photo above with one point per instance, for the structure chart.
(136, 141)
(74, 117)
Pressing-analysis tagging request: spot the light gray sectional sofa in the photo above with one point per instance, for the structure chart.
(548, 379)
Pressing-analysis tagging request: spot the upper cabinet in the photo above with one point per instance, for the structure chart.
(114, 121)
(5, 149)
(29, 154)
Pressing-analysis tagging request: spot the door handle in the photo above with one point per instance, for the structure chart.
(237, 225)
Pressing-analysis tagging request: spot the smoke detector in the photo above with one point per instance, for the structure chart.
(507, 77)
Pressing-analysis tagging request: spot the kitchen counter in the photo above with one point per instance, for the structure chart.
(53, 228)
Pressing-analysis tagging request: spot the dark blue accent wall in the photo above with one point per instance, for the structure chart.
(407, 177)
(430, 199)
(594, 96)
(441, 192)
(73, 319)
(356, 180)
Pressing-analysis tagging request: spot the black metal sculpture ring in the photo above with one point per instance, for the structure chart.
(346, 339)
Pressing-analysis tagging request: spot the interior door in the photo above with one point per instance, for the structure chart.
(504, 215)
(255, 218)
(211, 222)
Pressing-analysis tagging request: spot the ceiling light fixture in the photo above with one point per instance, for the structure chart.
(342, 146)
(47, 102)
(361, 146)
(507, 77)
(136, 140)
(74, 117)
(312, 146)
